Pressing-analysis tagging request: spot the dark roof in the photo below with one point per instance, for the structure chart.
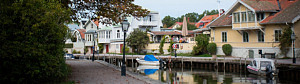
(287, 14)
(223, 20)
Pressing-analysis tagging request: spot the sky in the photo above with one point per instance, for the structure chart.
(176, 8)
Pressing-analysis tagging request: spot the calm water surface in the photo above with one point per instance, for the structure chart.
(200, 76)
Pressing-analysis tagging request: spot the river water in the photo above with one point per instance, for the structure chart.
(200, 76)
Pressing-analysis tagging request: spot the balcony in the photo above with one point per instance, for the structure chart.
(104, 40)
(148, 23)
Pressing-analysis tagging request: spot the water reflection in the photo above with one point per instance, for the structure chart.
(198, 76)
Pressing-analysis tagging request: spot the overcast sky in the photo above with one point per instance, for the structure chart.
(176, 8)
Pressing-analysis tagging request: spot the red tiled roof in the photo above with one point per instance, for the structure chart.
(290, 10)
(262, 5)
(223, 20)
(81, 31)
(206, 20)
(96, 22)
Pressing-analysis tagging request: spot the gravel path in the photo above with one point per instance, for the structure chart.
(88, 72)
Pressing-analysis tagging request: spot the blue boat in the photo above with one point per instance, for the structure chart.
(148, 60)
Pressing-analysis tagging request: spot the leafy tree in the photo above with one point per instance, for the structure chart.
(32, 41)
(171, 46)
(85, 50)
(207, 12)
(189, 27)
(161, 45)
(168, 21)
(285, 41)
(106, 11)
(201, 44)
(137, 39)
(193, 17)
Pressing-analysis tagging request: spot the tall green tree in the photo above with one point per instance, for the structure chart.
(285, 41)
(32, 41)
(168, 21)
(161, 45)
(137, 39)
(201, 44)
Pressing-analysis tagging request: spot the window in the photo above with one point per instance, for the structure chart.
(92, 25)
(244, 16)
(117, 46)
(201, 25)
(245, 37)
(251, 16)
(224, 36)
(260, 16)
(236, 17)
(90, 38)
(118, 33)
(277, 35)
(260, 36)
(107, 34)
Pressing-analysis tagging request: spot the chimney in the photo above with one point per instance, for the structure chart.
(279, 5)
(222, 11)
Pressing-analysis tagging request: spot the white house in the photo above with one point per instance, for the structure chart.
(112, 36)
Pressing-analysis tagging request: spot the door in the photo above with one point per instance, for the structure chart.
(107, 49)
(121, 47)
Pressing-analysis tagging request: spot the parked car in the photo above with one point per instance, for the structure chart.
(69, 56)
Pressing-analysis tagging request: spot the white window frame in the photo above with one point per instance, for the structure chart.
(118, 34)
(222, 36)
(275, 35)
(259, 36)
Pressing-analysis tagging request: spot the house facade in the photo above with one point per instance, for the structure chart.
(253, 25)
(111, 37)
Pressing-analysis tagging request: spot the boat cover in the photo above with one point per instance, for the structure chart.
(150, 71)
(150, 58)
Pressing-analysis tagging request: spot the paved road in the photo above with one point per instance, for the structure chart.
(87, 72)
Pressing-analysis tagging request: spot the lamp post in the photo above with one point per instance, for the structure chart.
(125, 26)
(95, 36)
(293, 37)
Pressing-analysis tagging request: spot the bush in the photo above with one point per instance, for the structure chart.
(126, 49)
(227, 49)
(201, 44)
(212, 48)
(75, 52)
(170, 47)
(101, 47)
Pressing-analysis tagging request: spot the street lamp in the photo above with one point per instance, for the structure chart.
(95, 36)
(293, 37)
(125, 25)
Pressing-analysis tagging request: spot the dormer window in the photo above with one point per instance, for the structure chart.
(251, 16)
(244, 16)
(247, 16)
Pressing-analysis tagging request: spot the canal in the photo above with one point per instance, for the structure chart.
(208, 73)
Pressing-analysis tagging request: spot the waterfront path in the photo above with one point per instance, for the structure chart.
(97, 72)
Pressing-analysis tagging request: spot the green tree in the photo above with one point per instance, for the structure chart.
(161, 45)
(171, 46)
(193, 17)
(101, 47)
(189, 27)
(201, 44)
(285, 41)
(32, 41)
(168, 21)
(207, 12)
(126, 49)
(137, 39)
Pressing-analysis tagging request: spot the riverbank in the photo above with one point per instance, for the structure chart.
(99, 72)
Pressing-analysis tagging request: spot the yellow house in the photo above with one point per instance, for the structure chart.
(253, 25)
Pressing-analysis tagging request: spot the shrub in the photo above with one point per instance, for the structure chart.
(75, 52)
(212, 48)
(101, 47)
(227, 49)
(170, 47)
(201, 44)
